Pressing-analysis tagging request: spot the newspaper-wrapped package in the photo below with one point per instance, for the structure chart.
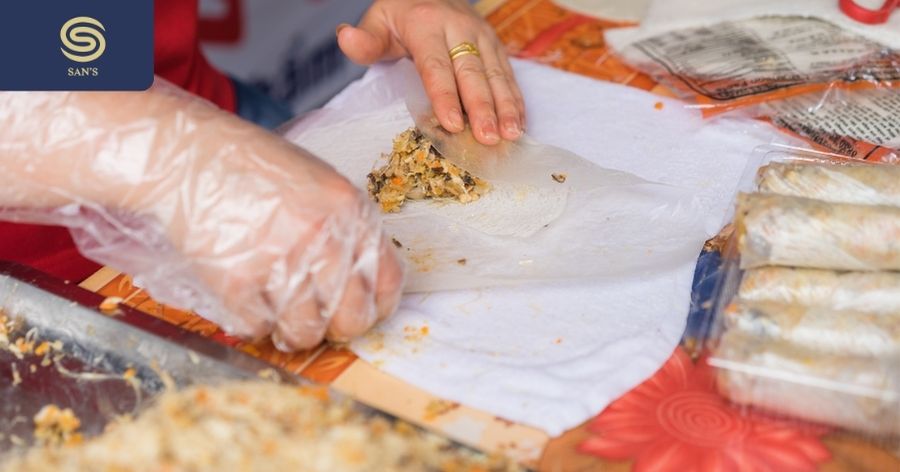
(803, 65)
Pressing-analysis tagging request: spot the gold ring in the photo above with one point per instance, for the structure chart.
(462, 49)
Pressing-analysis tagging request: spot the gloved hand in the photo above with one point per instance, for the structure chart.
(205, 211)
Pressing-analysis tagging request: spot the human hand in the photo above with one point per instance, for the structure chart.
(293, 249)
(206, 211)
(426, 30)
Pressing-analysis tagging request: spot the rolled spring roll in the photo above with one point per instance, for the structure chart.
(800, 232)
(852, 183)
(857, 393)
(877, 292)
(821, 329)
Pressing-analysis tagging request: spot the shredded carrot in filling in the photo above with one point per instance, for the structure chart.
(416, 171)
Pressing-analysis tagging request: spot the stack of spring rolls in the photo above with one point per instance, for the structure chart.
(814, 330)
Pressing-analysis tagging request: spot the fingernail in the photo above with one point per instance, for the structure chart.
(489, 130)
(456, 119)
(512, 128)
(279, 343)
(340, 27)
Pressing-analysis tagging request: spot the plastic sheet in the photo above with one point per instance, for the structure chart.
(206, 211)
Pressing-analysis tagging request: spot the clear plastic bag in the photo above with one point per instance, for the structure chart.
(810, 77)
(820, 344)
(735, 64)
(587, 222)
(858, 393)
(860, 124)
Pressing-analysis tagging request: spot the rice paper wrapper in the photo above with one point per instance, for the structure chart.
(801, 232)
(862, 184)
(877, 292)
(530, 227)
(821, 329)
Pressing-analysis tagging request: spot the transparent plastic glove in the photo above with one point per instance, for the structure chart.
(206, 211)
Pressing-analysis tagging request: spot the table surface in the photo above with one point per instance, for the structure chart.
(675, 420)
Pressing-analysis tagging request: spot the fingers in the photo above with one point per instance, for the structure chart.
(355, 313)
(370, 41)
(252, 317)
(247, 311)
(433, 63)
(388, 281)
(327, 261)
(503, 59)
(506, 103)
(301, 325)
(482, 88)
(361, 305)
(346, 291)
(373, 291)
(475, 92)
(331, 267)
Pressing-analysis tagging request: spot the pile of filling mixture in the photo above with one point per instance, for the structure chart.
(416, 171)
(249, 426)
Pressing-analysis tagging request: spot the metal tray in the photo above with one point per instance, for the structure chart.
(111, 363)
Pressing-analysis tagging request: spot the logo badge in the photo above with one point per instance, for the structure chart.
(82, 39)
(77, 45)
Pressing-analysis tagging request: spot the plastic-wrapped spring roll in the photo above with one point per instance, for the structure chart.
(875, 292)
(822, 329)
(858, 393)
(801, 232)
(860, 184)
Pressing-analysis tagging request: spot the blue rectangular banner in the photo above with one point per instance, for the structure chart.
(76, 45)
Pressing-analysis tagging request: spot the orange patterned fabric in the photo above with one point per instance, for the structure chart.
(541, 31)
(323, 364)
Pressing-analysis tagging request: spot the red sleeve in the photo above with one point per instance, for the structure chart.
(179, 60)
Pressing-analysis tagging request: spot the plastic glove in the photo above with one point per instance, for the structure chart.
(205, 211)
